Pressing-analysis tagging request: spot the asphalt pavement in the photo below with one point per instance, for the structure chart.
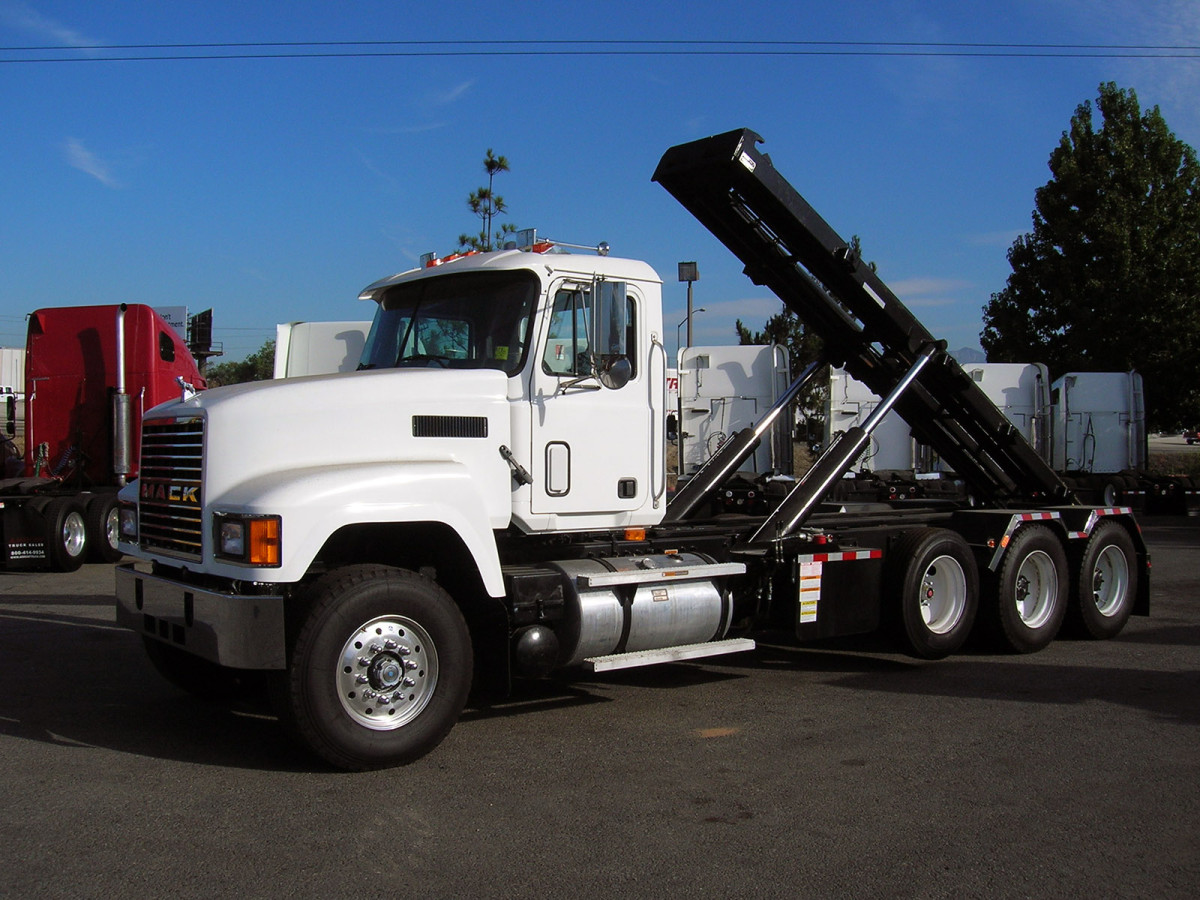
(843, 770)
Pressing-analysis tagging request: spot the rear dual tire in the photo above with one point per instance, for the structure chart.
(102, 524)
(65, 534)
(1027, 596)
(934, 591)
(1106, 584)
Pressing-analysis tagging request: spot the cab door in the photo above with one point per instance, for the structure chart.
(591, 418)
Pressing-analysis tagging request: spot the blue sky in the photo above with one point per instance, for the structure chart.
(273, 190)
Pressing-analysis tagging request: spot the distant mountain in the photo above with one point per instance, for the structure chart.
(968, 355)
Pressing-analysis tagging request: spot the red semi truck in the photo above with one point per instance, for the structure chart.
(91, 372)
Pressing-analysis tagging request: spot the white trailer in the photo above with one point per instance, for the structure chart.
(1022, 392)
(1090, 427)
(849, 405)
(1099, 422)
(318, 348)
(12, 394)
(724, 389)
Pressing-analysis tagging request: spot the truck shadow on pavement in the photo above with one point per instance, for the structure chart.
(1089, 674)
(78, 680)
(71, 677)
(1166, 696)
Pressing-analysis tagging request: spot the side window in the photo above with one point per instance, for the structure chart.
(568, 346)
(631, 347)
(166, 347)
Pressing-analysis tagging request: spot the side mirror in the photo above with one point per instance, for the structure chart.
(11, 412)
(615, 373)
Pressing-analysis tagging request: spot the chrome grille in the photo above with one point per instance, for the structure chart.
(170, 487)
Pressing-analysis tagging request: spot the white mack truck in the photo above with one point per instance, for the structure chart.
(492, 502)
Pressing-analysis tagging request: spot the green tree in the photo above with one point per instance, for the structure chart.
(258, 366)
(1109, 278)
(487, 205)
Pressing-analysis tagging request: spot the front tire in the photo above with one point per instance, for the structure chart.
(1106, 585)
(380, 668)
(1029, 597)
(934, 591)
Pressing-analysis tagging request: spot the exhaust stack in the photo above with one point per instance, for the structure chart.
(122, 410)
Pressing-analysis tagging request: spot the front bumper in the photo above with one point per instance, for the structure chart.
(236, 630)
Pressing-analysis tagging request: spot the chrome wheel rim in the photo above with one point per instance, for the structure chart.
(387, 673)
(74, 534)
(112, 527)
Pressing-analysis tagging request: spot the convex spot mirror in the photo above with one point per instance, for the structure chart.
(615, 373)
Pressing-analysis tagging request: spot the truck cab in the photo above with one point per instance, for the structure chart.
(516, 389)
(579, 340)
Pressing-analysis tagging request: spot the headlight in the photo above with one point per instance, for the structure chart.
(128, 519)
(254, 540)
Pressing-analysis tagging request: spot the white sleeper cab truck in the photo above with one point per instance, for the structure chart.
(492, 502)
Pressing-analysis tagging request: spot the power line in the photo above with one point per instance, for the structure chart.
(399, 49)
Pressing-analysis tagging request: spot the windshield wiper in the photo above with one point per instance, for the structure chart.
(425, 357)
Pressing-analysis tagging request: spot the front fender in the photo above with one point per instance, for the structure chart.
(314, 503)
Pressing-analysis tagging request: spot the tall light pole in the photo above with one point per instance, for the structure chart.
(688, 320)
(689, 273)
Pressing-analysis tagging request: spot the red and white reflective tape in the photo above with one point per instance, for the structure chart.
(1096, 516)
(844, 556)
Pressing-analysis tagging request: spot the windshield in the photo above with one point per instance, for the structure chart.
(477, 320)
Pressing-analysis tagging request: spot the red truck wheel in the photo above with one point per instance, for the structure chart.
(380, 668)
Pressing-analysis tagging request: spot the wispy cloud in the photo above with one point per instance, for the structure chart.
(449, 96)
(920, 82)
(23, 17)
(993, 238)
(750, 311)
(374, 169)
(928, 291)
(80, 157)
(1170, 83)
(407, 129)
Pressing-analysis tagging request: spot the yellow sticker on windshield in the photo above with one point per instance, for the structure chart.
(501, 353)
